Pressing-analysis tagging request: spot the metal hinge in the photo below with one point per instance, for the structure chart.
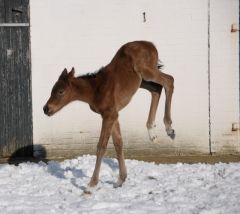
(235, 126)
(14, 24)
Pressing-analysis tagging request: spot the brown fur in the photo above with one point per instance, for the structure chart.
(135, 65)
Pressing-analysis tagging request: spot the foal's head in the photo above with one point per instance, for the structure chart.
(61, 93)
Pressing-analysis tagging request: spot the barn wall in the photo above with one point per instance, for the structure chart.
(224, 67)
(86, 35)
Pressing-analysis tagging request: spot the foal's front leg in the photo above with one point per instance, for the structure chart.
(107, 124)
(118, 144)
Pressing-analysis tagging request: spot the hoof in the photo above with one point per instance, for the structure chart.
(152, 135)
(120, 181)
(89, 190)
(117, 185)
(171, 133)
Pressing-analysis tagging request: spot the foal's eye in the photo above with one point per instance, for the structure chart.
(61, 92)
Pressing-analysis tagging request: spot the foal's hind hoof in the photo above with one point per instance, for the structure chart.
(89, 190)
(153, 135)
(171, 133)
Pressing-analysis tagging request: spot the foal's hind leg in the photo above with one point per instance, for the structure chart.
(166, 81)
(155, 90)
(152, 115)
(118, 144)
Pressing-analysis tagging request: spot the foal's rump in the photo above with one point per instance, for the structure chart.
(140, 53)
(135, 61)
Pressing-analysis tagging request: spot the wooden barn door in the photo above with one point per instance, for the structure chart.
(15, 79)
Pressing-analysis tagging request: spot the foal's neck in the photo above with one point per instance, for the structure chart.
(83, 90)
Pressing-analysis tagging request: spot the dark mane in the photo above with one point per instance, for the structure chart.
(92, 75)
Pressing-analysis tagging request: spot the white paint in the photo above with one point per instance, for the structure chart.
(87, 34)
(224, 75)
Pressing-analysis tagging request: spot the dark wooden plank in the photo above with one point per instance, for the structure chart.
(21, 87)
(2, 11)
(3, 91)
(17, 11)
(15, 93)
(8, 11)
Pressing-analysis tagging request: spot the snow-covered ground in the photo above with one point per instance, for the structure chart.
(166, 188)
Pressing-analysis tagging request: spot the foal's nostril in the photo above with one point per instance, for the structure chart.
(45, 109)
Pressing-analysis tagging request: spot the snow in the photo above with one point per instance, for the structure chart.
(51, 188)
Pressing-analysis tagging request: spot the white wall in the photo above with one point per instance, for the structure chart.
(224, 68)
(86, 35)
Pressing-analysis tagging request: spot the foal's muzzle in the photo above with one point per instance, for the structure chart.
(46, 110)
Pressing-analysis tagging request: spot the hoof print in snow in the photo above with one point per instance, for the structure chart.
(151, 178)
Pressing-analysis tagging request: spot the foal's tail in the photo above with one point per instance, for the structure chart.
(160, 64)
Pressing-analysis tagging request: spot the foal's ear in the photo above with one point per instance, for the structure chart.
(71, 73)
(63, 75)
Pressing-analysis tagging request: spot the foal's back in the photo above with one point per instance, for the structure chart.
(137, 55)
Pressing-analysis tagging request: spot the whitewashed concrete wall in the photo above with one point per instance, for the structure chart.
(224, 68)
(86, 35)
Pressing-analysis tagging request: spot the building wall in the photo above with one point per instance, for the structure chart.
(87, 34)
(224, 69)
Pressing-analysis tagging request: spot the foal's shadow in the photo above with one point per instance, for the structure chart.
(29, 153)
(111, 163)
(55, 169)
(114, 166)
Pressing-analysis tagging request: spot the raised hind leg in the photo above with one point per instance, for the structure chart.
(167, 82)
(155, 90)
(152, 115)
(118, 144)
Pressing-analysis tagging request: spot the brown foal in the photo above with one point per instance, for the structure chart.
(135, 65)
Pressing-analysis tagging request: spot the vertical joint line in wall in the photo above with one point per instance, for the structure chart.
(209, 84)
(239, 59)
